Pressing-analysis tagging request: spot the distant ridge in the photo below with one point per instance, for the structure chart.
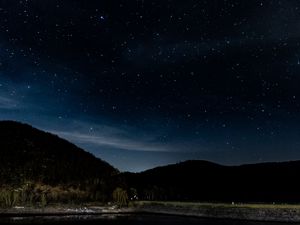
(198, 180)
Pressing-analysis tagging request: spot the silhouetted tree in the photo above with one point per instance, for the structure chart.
(120, 197)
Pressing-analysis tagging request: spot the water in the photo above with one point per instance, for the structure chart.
(126, 220)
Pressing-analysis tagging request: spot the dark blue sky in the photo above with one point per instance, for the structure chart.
(146, 83)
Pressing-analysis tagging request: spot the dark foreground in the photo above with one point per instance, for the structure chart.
(241, 212)
(128, 219)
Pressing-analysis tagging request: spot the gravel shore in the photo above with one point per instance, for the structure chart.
(281, 213)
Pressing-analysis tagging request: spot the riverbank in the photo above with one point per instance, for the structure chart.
(58, 210)
(255, 212)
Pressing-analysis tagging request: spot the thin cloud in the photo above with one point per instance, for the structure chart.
(8, 103)
(113, 142)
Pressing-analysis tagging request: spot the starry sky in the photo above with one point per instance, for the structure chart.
(143, 83)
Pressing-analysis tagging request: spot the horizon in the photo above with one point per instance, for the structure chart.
(162, 165)
(141, 84)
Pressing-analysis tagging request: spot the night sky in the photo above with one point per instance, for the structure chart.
(143, 83)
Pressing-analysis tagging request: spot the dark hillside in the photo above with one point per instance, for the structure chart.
(205, 181)
(27, 153)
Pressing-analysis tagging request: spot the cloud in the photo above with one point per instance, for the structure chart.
(170, 51)
(8, 103)
(112, 141)
(86, 133)
(96, 135)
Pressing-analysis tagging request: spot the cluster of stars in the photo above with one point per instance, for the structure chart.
(197, 67)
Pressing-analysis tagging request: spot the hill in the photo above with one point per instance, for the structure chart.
(27, 153)
(36, 165)
(206, 181)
